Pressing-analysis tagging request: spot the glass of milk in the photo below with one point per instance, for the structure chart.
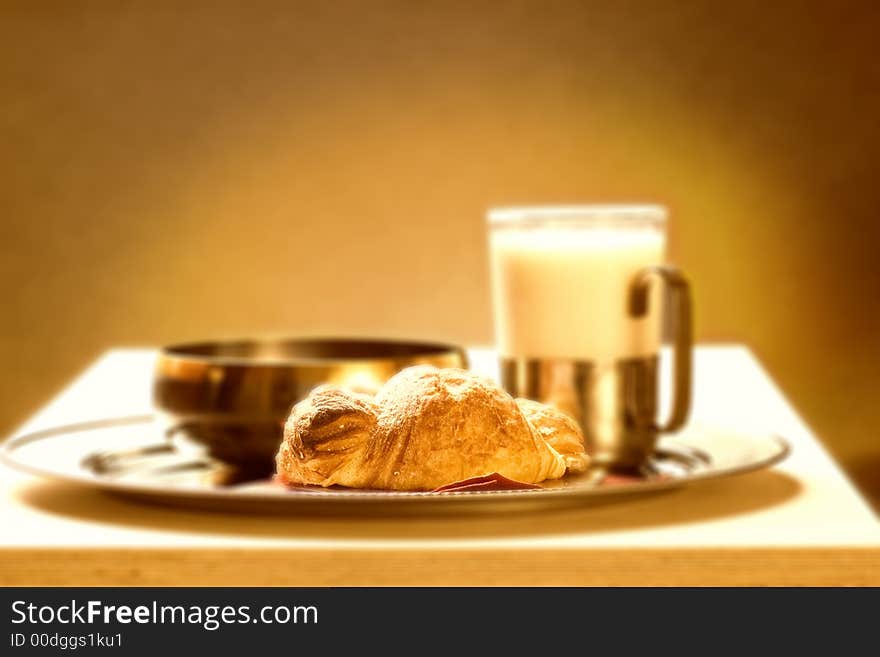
(577, 294)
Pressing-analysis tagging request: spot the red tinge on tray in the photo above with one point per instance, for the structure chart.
(492, 481)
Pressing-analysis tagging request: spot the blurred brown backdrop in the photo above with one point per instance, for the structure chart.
(180, 170)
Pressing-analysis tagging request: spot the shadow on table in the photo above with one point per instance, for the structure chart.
(706, 501)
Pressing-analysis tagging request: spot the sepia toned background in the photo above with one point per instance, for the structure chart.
(172, 171)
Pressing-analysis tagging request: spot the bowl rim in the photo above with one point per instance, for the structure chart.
(361, 349)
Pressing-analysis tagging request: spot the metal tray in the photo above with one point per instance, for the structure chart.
(131, 457)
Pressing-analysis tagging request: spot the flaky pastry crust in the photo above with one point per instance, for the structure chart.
(425, 428)
(559, 430)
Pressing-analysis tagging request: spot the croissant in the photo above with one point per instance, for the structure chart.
(425, 428)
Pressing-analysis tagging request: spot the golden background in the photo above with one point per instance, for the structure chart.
(172, 172)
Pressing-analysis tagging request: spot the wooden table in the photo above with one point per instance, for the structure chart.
(801, 522)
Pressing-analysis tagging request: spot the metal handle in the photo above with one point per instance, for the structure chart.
(680, 301)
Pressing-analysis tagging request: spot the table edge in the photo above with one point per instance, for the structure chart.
(736, 566)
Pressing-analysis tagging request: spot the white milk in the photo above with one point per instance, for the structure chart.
(562, 291)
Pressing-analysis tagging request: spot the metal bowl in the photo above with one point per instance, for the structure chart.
(231, 399)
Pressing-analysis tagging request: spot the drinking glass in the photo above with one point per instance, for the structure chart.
(577, 298)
